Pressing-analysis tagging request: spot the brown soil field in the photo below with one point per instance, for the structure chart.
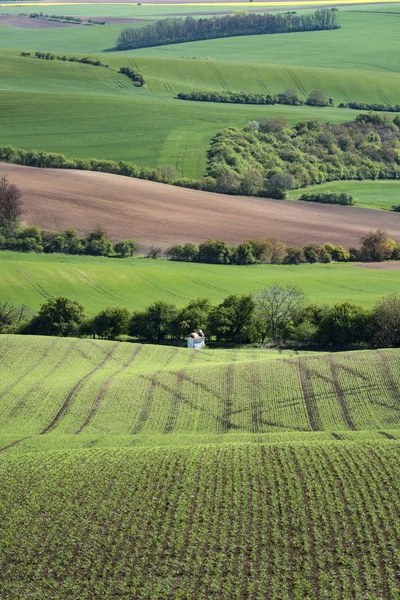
(155, 213)
(385, 266)
(28, 23)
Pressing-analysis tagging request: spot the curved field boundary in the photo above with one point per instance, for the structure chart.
(155, 213)
(68, 400)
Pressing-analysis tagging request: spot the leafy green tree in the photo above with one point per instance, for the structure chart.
(194, 316)
(317, 98)
(166, 174)
(155, 323)
(126, 248)
(252, 182)
(233, 320)
(97, 243)
(376, 247)
(279, 184)
(10, 203)
(269, 250)
(243, 254)
(294, 256)
(111, 322)
(312, 253)
(214, 252)
(58, 316)
(345, 324)
(386, 321)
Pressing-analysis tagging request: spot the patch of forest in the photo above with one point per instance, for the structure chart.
(268, 158)
(177, 31)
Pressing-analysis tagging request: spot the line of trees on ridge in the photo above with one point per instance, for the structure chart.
(276, 314)
(289, 96)
(176, 31)
(133, 73)
(267, 158)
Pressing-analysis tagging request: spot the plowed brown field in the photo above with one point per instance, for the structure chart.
(154, 213)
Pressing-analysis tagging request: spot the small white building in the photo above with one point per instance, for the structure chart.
(196, 340)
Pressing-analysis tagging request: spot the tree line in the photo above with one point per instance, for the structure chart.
(134, 74)
(289, 97)
(176, 31)
(269, 158)
(275, 314)
(62, 18)
(375, 247)
(376, 107)
(329, 198)
(86, 60)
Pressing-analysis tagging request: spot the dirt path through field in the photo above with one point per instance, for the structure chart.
(154, 213)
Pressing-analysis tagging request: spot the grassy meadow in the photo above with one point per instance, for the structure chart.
(86, 111)
(135, 283)
(155, 472)
(369, 194)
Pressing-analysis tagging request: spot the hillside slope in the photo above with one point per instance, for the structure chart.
(155, 213)
(67, 386)
(154, 473)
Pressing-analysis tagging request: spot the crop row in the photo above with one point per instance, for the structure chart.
(254, 522)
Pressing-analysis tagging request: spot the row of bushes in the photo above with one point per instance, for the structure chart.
(62, 18)
(289, 96)
(329, 198)
(375, 247)
(277, 314)
(86, 60)
(177, 31)
(374, 106)
(133, 74)
(33, 239)
(269, 158)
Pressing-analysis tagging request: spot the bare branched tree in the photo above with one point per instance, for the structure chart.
(276, 305)
(11, 315)
(10, 202)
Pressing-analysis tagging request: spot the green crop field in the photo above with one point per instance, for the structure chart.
(369, 194)
(144, 472)
(85, 111)
(151, 472)
(135, 283)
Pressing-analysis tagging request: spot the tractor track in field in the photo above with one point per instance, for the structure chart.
(99, 398)
(14, 443)
(334, 367)
(387, 435)
(392, 384)
(310, 399)
(73, 392)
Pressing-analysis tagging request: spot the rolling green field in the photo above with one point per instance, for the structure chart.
(135, 283)
(153, 472)
(144, 472)
(369, 194)
(86, 111)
